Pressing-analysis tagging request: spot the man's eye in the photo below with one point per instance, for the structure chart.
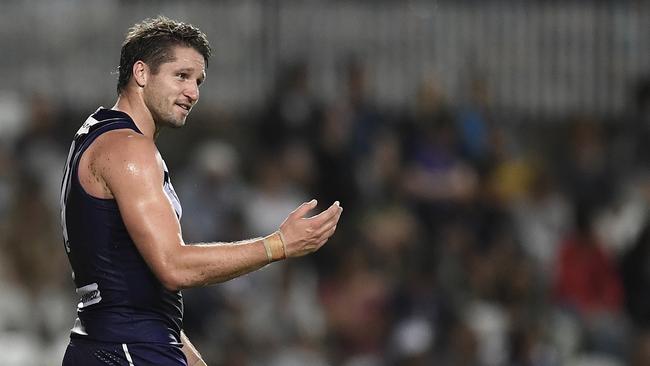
(182, 75)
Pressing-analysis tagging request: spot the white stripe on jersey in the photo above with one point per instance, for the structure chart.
(128, 355)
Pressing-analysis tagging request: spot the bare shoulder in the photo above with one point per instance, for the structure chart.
(126, 144)
(123, 157)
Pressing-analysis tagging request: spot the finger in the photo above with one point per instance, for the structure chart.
(326, 215)
(321, 243)
(327, 226)
(303, 209)
(324, 237)
(332, 221)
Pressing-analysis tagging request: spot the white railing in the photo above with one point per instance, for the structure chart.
(537, 57)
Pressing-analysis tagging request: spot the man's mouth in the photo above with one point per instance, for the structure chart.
(185, 106)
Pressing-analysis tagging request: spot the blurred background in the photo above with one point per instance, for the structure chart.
(491, 158)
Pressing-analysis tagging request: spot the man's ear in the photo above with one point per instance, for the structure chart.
(140, 73)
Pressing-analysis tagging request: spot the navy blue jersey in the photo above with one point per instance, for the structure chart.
(121, 300)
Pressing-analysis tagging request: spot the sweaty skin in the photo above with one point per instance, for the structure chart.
(126, 166)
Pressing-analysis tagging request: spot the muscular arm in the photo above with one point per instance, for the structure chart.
(132, 171)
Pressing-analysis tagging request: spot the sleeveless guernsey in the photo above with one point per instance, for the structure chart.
(121, 300)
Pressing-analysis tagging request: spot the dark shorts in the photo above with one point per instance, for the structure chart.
(81, 352)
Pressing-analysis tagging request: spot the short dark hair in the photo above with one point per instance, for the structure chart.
(151, 40)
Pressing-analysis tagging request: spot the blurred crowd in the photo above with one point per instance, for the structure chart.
(469, 237)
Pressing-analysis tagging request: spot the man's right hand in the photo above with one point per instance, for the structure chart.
(303, 235)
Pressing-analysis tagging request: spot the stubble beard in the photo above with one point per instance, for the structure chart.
(164, 116)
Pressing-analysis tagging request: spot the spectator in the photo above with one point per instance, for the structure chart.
(587, 283)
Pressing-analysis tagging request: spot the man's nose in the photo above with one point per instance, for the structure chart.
(192, 92)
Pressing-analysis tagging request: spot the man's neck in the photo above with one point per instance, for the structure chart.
(135, 108)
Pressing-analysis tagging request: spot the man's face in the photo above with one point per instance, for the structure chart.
(171, 93)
